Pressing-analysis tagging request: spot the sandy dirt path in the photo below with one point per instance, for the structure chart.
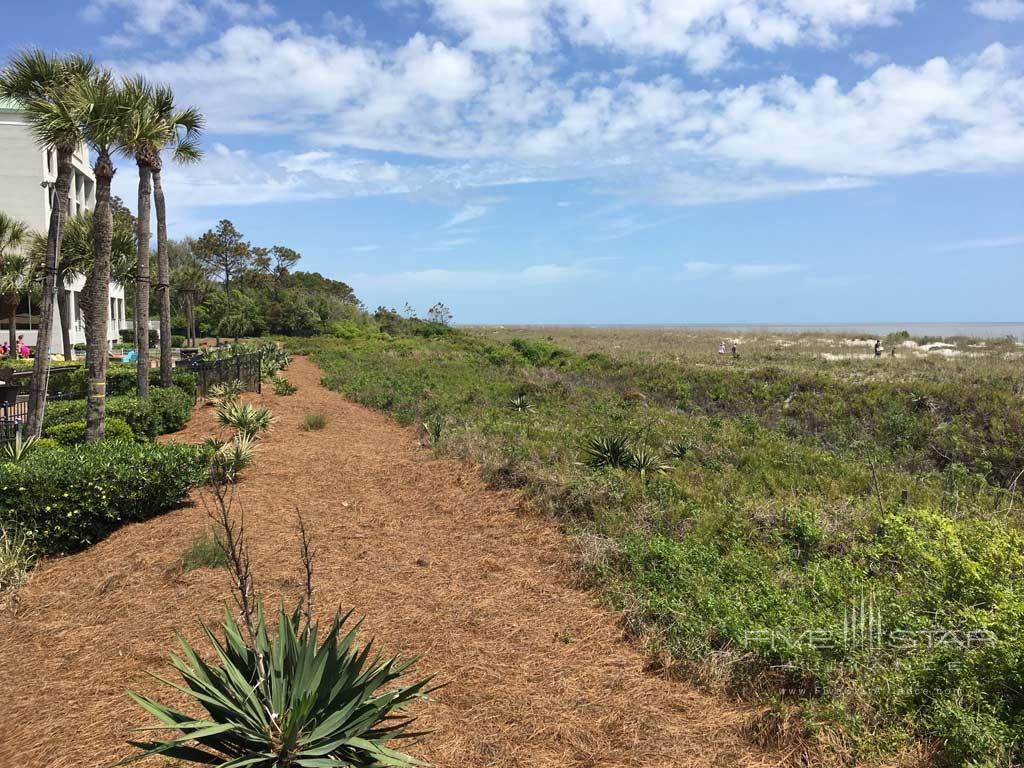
(538, 672)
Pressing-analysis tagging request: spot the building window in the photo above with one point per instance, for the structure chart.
(77, 298)
(113, 309)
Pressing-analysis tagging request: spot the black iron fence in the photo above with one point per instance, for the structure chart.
(210, 372)
(12, 415)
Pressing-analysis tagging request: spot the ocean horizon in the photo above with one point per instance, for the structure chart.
(981, 330)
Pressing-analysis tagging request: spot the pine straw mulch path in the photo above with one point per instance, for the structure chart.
(538, 673)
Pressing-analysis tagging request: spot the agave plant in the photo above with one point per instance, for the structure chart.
(244, 418)
(18, 448)
(287, 701)
(607, 451)
(227, 392)
(645, 461)
(520, 404)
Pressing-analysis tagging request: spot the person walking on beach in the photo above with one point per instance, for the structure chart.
(721, 347)
(878, 348)
(735, 353)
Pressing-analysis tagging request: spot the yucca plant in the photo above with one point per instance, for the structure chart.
(678, 450)
(434, 429)
(520, 404)
(289, 700)
(224, 393)
(244, 418)
(18, 448)
(286, 701)
(645, 461)
(284, 387)
(607, 451)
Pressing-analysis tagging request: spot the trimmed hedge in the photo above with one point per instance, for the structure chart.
(121, 380)
(65, 499)
(73, 432)
(166, 410)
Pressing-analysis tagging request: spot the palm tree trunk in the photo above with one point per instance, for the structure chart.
(12, 318)
(98, 305)
(65, 318)
(41, 367)
(142, 281)
(163, 279)
(190, 322)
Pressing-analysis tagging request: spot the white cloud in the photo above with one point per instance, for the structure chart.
(171, 19)
(1013, 241)
(368, 248)
(466, 213)
(942, 116)
(999, 10)
(869, 59)
(704, 33)
(459, 119)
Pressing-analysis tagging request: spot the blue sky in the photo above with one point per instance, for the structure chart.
(600, 161)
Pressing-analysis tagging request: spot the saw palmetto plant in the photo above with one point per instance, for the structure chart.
(222, 394)
(244, 418)
(228, 459)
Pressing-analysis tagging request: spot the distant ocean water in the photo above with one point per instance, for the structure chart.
(977, 330)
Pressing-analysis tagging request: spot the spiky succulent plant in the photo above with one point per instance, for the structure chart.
(288, 701)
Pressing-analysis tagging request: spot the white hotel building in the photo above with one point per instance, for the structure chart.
(27, 174)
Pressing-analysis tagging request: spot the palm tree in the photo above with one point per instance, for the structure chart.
(181, 134)
(105, 115)
(157, 125)
(77, 253)
(190, 280)
(42, 84)
(15, 272)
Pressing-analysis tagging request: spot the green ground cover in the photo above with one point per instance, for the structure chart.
(842, 542)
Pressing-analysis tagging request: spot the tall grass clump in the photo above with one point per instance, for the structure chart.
(314, 421)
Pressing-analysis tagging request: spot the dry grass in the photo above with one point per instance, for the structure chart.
(849, 355)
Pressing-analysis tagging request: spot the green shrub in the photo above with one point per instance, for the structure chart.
(536, 351)
(65, 499)
(284, 387)
(173, 407)
(205, 551)
(166, 410)
(177, 341)
(73, 432)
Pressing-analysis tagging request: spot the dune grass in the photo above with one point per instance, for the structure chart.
(838, 539)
